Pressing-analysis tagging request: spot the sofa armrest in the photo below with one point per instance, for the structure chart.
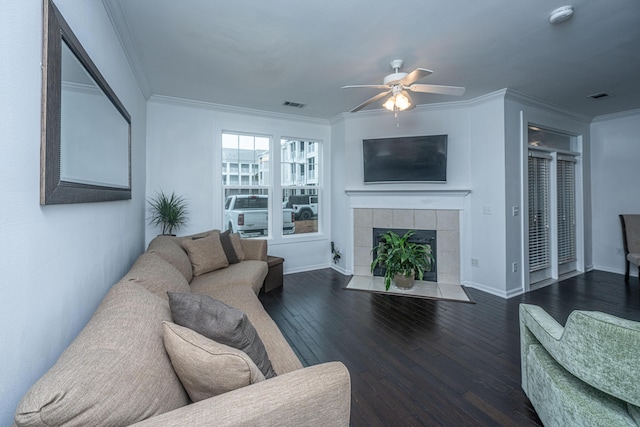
(544, 328)
(319, 395)
(536, 327)
(598, 348)
(254, 249)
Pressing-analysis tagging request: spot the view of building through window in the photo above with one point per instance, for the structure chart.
(247, 184)
(300, 181)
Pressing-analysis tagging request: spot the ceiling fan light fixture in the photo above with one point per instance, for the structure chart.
(397, 102)
(402, 102)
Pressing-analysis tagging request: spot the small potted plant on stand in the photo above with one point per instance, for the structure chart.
(169, 212)
(402, 260)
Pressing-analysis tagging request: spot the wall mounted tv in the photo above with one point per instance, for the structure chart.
(405, 159)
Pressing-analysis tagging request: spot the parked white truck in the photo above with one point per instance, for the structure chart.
(248, 215)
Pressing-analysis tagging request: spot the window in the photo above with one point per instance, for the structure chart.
(246, 185)
(300, 182)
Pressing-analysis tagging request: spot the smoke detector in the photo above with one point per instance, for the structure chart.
(561, 14)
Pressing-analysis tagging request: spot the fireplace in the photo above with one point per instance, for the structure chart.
(444, 223)
(428, 237)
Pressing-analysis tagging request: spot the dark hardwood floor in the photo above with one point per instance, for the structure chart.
(416, 362)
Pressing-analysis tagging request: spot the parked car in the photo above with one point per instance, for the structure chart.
(248, 215)
(304, 206)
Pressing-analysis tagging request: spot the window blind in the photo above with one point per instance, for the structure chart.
(539, 211)
(566, 209)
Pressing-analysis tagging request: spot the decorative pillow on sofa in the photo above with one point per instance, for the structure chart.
(206, 254)
(232, 248)
(222, 323)
(205, 367)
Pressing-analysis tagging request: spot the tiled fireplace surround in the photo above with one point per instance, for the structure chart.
(368, 214)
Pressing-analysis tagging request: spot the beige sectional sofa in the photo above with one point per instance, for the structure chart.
(118, 371)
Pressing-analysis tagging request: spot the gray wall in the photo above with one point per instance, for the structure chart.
(57, 261)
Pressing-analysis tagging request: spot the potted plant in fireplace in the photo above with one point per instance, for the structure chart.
(403, 261)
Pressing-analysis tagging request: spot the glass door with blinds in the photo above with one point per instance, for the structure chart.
(539, 218)
(566, 213)
(552, 205)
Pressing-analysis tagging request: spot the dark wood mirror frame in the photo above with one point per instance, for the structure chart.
(53, 189)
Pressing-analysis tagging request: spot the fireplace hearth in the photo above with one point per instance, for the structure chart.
(427, 237)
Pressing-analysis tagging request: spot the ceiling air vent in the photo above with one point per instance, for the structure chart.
(293, 104)
(599, 95)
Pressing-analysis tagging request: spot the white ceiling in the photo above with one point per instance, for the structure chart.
(258, 54)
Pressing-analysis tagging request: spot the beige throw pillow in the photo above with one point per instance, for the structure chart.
(206, 254)
(207, 368)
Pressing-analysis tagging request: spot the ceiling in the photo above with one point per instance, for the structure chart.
(259, 54)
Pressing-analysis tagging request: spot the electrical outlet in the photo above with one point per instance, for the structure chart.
(487, 210)
(619, 252)
(475, 262)
(514, 267)
(516, 210)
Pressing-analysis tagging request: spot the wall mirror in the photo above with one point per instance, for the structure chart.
(86, 131)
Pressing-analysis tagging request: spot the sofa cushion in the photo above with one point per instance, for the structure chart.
(116, 372)
(246, 273)
(206, 254)
(156, 275)
(171, 251)
(222, 323)
(205, 367)
(282, 357)
(232, 247)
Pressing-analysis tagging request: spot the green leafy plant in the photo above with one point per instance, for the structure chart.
(169, 212)
(399, 256)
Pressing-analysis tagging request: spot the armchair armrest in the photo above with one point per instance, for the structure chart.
(319, 395)
(254, 249)
(598, 348)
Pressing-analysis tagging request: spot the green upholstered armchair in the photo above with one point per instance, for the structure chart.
(586, 373)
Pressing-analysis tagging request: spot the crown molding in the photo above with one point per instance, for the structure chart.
(169, 100)
(620, 115)
(123, 32)
(522, 98)
(438, 106)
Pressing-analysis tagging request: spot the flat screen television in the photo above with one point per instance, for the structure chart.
(405, 159)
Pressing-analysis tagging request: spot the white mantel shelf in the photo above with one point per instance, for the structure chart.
(409, 192)
(407, 198)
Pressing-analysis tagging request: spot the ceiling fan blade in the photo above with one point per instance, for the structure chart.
(367, 86)
(371, 100)
(414, 76)
(439, 89)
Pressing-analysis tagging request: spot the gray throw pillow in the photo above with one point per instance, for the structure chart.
(227, 246)
(222, 323)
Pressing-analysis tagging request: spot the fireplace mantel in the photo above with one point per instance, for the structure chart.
(453, 199)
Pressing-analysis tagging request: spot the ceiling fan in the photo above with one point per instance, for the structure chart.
(398, 84)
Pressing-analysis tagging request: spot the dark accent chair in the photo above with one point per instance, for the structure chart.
(631, 240)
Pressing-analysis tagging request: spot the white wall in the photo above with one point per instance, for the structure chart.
(57, 261)
(340, 166)
(615, 146)
(184, 155)
(485, 227)
(520, 110)
(347, 165)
